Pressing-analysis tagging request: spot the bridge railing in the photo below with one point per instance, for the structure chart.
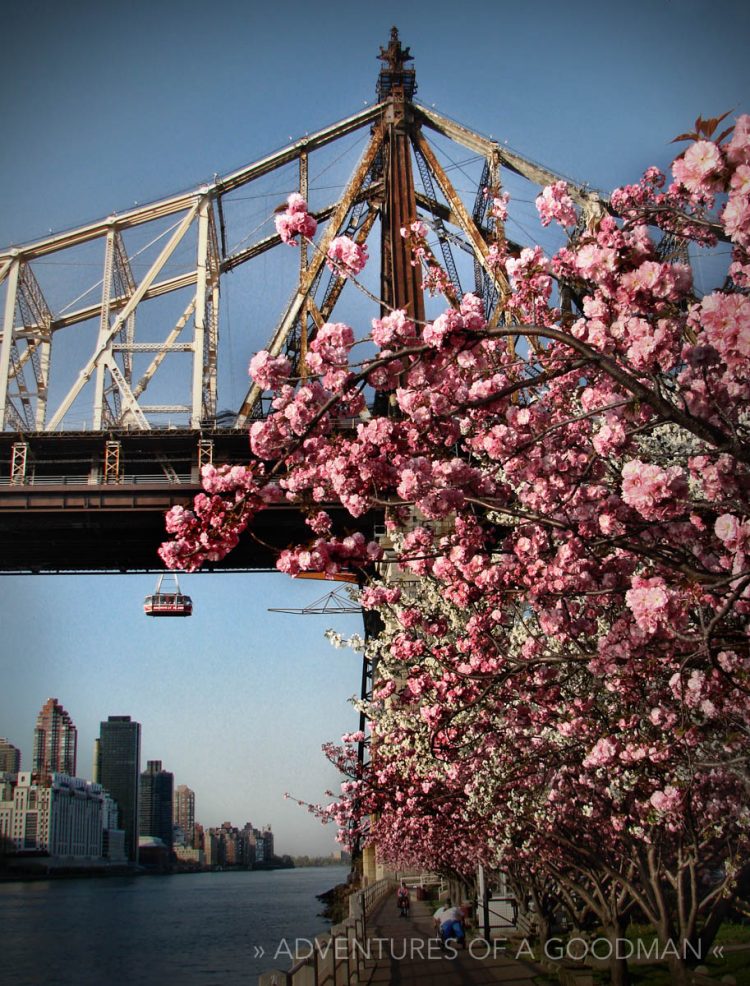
(337, 958)
(421, 879)
(94, 479)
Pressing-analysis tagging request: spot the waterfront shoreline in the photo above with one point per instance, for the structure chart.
(192, 931)
(336, 902)
(95, 871)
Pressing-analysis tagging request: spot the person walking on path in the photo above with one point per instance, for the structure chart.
(408, 953)
(449, 921)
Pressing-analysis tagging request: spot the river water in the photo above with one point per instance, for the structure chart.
(196, 929)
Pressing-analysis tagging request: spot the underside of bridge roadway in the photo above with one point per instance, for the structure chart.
(64, 513)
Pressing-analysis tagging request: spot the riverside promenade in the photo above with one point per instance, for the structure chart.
(375, 946)
(405, 952)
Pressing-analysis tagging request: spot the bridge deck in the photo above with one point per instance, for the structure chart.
(65, 508)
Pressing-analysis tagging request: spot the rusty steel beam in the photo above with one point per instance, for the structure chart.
(466, 221)
(178, 203)
(400, 282)
(293, 151)
(269, 242)
(308, 279)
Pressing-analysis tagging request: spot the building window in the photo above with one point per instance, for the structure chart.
(30, 830)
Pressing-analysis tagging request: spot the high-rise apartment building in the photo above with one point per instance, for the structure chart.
(10, 757)
(117, 766)
(225, 846)
(67, 819)
(58, 815)
(184, 813)
(157, 792)
(55, 741)
(264, 849)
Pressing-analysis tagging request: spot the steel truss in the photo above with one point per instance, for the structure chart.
(381, 186)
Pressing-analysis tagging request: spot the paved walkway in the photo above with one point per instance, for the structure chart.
(409, 954)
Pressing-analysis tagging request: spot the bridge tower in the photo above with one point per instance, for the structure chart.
(400, 280)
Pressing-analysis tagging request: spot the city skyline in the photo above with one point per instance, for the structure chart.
(182, 794)
(279, 746)
(150, 806)
(235, 701)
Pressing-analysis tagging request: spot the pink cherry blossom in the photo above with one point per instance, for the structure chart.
(269, 372)
(738, 148)
(649, 601)
(295, 220)
(728, 529)
(699, 167)
(393, 330)
(667, 800)
(555, 203)
(654, 492)
(499, 206)
(346, 257)
(736, 218)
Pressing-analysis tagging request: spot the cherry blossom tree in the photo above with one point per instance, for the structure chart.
(568, 779)
(564, 673)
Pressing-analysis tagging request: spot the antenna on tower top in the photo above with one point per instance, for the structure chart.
(394, 77)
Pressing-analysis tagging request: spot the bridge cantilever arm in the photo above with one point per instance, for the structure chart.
(177, 203)
(585, 197)
(466, 221)
(292, 151)
(308, 278)
(514, 162)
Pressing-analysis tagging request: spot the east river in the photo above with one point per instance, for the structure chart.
(183, 930)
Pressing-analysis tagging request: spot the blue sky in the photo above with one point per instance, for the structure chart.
(106, 105)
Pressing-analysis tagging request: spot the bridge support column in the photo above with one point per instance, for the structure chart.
(7, 342)
(199, 360)
(369, 866)
(20, 454)
(103, 339)
(205, 454)
(400, 281)
(112, 452)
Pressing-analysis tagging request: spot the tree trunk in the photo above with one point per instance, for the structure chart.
(618, 971)
(679, 974)
(542, 930)
(618, 963)
(703, 942)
